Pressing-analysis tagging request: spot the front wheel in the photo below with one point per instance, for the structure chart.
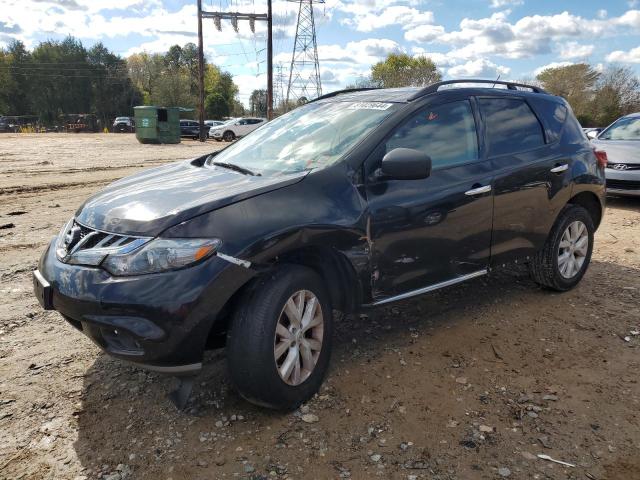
(229, 136)
(565, 257)
(279, 343)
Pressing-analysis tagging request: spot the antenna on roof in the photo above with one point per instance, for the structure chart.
(494, 85)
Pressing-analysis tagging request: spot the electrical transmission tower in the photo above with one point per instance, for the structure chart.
(278, 88)
(304, 75)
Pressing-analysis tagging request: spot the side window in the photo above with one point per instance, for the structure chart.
(511, 126)
(447, 133)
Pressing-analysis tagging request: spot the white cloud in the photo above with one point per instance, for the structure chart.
(408, 17)
(365, 16)
(505, 3)
(527, 37)
(539, 70)
(631, 56)
(602, 13)
(424, 33)
(574, 50)
(363, 52)
(480, 68)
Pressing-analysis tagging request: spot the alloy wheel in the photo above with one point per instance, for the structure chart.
(298, 337)
(573, 249)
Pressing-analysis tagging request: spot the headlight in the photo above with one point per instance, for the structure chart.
(160, 255)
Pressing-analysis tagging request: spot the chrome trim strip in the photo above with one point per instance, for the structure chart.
(237, 261)
(108, 233)
(430, 288)
(78, 245)
(103, 241)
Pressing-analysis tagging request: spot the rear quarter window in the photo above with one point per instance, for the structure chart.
(511, 126)
(553, 115)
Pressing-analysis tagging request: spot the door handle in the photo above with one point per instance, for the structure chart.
(478, 191)
(560, 168)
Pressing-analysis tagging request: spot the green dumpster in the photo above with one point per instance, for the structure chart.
(157, 124)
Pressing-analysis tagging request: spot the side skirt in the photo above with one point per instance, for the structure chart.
(430, 288)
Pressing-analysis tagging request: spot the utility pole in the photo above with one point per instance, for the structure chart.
(203, 134)
(234, 17)
(269, 61)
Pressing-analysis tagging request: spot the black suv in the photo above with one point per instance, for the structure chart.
(357, 199)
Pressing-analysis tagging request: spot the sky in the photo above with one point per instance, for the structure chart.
(473, 38)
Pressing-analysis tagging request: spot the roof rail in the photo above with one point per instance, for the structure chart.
(510, 85)
(340, 92)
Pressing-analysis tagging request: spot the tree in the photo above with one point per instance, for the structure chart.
(113, 93)
(617, 94)
(576, 83)
(17, 81)
(216, 106)
(401, 70)
(258, 103)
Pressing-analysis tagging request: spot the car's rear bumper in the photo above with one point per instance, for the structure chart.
(159, 321)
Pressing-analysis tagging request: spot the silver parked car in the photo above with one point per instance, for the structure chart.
(621, 142)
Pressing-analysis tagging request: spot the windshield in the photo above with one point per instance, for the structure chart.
(312, 136)
(623, 129)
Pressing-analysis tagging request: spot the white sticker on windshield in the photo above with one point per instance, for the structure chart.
(369, 106)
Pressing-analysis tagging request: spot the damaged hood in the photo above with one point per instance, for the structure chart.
(149, 202)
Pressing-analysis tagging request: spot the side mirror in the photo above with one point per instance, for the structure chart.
(593, 134)
(406, 164)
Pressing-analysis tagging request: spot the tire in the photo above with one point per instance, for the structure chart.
(252, 339)
(547, 268)
(229, 136)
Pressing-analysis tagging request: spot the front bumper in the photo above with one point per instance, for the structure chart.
(623, 182)
(158, 321)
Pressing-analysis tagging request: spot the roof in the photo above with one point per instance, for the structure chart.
(408, 94)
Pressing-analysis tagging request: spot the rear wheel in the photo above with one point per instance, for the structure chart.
(279, 343)
(565, 257)
(229, 136)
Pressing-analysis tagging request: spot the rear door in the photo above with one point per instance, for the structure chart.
(532, 175)
(242, 127)
(438, 229)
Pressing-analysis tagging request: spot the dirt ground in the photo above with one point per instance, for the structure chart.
(472, 382)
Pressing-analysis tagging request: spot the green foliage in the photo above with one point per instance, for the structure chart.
(402, 70)
(258, 103)
(172, 80)
(216, 106)
(62, 77)
(596, 97)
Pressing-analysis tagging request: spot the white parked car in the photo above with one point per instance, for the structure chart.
(236, 128)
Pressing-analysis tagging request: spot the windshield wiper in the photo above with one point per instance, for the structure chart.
(237, 168)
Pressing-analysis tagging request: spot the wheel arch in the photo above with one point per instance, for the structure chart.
(335, 269)
(590, 202)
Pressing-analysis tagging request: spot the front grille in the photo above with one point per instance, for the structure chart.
(623, 184)
(627, 166)
(98, 239)
(82, 245)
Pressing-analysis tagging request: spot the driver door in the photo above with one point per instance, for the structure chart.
(438, 229)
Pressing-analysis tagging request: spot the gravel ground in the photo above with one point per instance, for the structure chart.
(472, 382)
